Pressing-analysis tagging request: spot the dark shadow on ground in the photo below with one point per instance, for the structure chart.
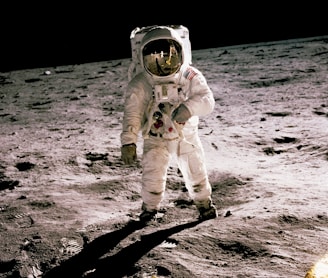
(89, 259)
(5, 182)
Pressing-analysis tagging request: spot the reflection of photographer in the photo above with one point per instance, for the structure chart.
(164, 101)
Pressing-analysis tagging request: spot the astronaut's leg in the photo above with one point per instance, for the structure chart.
(191, 162)
(155, 162)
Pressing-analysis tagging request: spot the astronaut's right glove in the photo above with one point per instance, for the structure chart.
(129, 153)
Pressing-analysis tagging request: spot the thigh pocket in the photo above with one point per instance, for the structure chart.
(186, 147)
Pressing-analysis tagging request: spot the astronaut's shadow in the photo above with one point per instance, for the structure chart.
(88, 262)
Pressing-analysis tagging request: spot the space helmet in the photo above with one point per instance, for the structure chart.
(162, 52)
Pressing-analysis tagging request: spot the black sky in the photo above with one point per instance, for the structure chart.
(55, 34)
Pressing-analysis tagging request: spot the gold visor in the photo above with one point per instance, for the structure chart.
(162, 57)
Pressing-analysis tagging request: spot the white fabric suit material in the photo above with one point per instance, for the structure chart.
(169, 138)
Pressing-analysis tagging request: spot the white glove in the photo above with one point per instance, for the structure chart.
(181, 114)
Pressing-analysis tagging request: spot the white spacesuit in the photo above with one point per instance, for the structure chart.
(164, 103)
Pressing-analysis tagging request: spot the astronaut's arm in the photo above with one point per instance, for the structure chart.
(200, 101)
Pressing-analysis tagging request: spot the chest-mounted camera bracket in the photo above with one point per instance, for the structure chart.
(169, 92)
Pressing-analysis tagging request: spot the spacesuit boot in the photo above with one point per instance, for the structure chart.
(206, 210)
(147, 215)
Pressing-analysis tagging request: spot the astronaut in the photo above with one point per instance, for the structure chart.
(164, 103)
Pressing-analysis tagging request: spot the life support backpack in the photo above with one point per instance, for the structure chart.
(136, 37)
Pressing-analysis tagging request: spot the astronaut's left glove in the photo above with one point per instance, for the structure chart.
(181, 114)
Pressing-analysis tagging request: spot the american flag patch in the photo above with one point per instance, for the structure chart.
(189, 73)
